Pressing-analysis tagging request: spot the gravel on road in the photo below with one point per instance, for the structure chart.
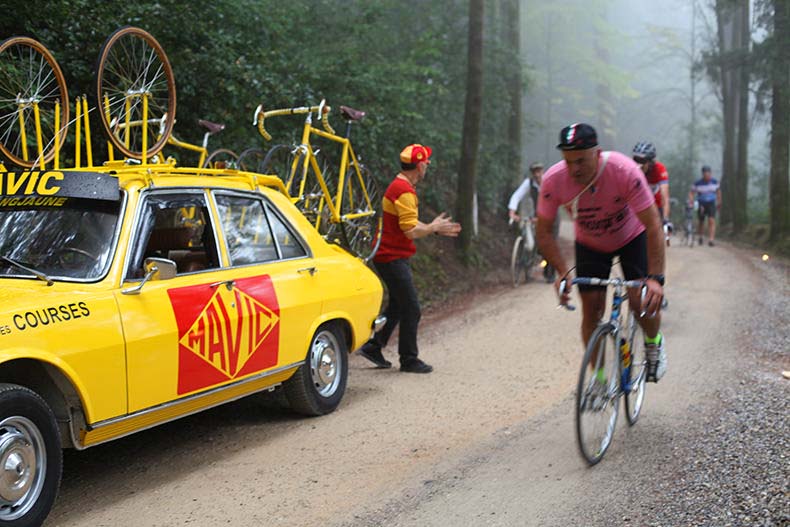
(730, 467)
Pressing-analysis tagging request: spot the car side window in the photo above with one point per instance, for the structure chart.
(176, 227)
(290, 246)
(246, 228)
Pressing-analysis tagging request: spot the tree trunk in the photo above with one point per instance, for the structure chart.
(779, 195)
(741, 186)
(732, 18)
(513, 40)
(467, 170)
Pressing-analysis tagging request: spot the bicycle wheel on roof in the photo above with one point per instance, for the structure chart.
(132, 70)
(30, 81)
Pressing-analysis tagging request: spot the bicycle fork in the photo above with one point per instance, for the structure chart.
(623, 345)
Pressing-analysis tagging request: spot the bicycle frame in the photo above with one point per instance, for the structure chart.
(347, 159)
(615, 316)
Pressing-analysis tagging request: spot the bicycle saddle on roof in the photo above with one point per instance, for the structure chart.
(351, 114)
(213, 128)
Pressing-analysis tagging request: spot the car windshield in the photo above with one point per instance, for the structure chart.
(73, 241)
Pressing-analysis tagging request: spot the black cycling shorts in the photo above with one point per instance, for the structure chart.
(707, 209)
(633, 260)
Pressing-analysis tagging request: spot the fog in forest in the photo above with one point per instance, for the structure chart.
(624, 66)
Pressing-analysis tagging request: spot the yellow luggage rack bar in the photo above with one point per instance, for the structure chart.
(254, 180)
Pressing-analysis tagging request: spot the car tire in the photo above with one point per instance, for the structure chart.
(30, 457)
(318, 385)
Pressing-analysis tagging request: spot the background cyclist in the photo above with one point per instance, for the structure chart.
(709, 198)
(531, 186)
(614, 213)
(644, 154)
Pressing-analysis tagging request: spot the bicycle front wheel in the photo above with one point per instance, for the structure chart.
(360, 213)
(133, 67)
(636, 372)
(222, 158)
(597, 394)
(516, 259)
(251, 160)
(31, 79)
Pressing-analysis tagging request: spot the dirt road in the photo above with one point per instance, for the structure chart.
(487, 439)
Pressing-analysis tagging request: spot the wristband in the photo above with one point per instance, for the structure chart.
(657, 277)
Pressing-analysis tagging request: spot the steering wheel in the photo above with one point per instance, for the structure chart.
(75, 250)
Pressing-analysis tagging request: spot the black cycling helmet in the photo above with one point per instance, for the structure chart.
(644, 150)
(706, 168)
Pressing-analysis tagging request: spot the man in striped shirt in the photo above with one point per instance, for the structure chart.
(709, 198)
(401, 227)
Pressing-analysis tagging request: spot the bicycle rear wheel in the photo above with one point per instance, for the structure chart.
(31, 78)
(516, 259)
(132, 66)
(222, 158)
(597, 398)
(360, 213)
(637, 371)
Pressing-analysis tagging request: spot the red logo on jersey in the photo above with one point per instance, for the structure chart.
(224, 333)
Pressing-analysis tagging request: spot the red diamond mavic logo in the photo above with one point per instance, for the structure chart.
(225, 333)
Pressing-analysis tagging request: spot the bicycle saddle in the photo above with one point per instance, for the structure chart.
(212, 128)
(351, 114)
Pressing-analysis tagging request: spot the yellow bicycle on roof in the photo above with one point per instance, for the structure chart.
(345, 208)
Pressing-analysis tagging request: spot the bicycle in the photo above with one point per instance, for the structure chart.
(614, 366)
(219, 158)
(34, 103)
(525, 252)
(349, 202)
(688, 226)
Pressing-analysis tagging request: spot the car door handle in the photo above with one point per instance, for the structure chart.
(311, 270)
(228, 283)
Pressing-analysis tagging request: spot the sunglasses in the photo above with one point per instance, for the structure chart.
(641, 160)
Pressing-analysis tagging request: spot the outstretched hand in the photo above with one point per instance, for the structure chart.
(445, 226)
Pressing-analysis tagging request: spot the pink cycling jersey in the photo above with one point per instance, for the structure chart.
(606, 212)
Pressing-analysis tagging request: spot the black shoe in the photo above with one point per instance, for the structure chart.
(375, 356)
(416, 366)
(710, 243)
(700, 240)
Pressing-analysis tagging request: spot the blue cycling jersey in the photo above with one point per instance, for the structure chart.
(706, 190)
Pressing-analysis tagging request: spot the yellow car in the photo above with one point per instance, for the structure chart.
(131, 296)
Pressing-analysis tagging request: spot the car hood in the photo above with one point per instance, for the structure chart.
(24, 295)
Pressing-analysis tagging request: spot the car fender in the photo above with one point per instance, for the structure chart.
(9, 355)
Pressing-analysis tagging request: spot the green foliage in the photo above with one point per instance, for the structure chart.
(402, 62)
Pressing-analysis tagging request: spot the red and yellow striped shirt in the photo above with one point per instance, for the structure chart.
(400, 214)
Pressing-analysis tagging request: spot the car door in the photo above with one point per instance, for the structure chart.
(264, 248)
(176, 225)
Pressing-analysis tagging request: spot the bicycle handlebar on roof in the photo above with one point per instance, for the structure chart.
(322, 110)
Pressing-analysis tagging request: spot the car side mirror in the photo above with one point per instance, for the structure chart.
(155, 269)
(162, 268)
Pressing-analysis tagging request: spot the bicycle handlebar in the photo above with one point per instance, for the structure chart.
(260, 115)
(602, 282)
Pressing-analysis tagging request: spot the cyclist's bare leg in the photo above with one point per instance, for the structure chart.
(593, 308)
(650, 325)
(711, 228)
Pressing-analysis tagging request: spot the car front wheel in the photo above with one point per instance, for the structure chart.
(318, 385)
(30, 457)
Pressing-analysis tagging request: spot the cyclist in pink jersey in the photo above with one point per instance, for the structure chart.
(614, 214)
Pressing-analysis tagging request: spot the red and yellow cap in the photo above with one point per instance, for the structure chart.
(415, 153)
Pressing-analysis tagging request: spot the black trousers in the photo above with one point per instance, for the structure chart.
(403, 308)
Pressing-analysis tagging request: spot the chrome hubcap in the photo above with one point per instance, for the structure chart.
(22, 466)
(324, 363)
